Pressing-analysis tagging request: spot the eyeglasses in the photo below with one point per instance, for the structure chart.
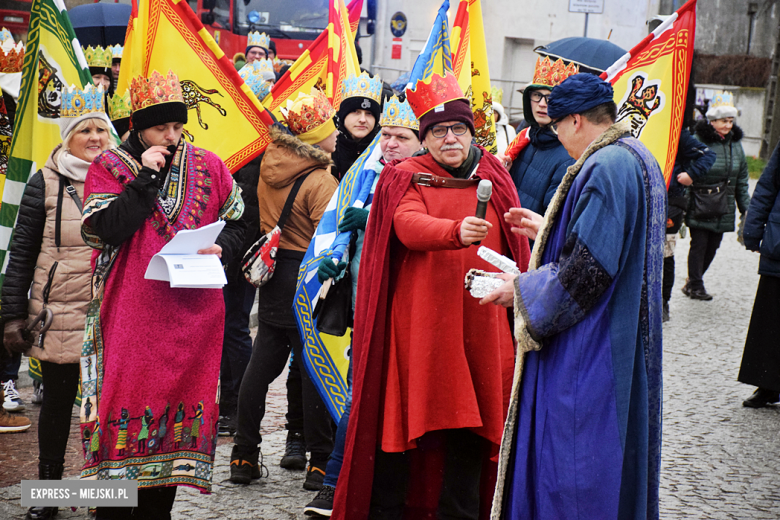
(554, 124)
(439, 131)
(537, 97)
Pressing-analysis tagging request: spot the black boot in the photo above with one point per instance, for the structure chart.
(46, 472)
(245, 464)
(294, 452)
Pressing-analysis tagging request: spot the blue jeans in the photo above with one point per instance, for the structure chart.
(237, 343)
(336, 459)
(9, 367)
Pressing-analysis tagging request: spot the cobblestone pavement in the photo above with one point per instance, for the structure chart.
(720, 460)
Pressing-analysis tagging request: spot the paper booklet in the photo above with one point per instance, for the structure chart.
(179, 263)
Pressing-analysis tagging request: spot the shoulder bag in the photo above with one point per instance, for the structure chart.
(259, 262)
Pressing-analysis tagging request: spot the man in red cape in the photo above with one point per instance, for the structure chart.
(432, 368)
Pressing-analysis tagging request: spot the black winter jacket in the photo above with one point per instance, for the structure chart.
(762, 224)
(26, 248)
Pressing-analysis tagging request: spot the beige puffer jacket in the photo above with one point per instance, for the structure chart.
(70, 291)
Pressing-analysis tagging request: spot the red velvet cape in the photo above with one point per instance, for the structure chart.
(353, 492)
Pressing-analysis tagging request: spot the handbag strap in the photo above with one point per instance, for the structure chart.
(287, 209)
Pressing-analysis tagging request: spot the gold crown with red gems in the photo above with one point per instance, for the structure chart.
(436, 90)
(308, 112)
(155, 90)
(549, 74)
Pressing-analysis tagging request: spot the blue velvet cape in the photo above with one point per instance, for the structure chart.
(587, 438)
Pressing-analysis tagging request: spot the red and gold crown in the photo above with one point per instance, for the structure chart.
(11, 57)
(310, 118)
(155, 90)
(549, 74)
(429, 94)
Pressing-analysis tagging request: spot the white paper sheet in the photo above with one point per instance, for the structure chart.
(179, 263)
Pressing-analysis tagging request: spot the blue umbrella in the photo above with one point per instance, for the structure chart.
(590, 54)
(100, 24)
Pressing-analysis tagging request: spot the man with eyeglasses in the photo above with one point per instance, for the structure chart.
(431, 368)
(538, 168)
(584, 431)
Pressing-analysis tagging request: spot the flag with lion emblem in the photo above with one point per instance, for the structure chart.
(651, 84)
(224, 116)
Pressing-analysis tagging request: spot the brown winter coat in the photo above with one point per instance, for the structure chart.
(286, 159)
(70, 291)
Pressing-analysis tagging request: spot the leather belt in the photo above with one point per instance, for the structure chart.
(434, 181)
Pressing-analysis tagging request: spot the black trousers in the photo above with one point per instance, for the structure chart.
(668, 280)
(269, 354)
(62, 385)
(704, 245)
(153, 504)
(459, 498)
(294, 414)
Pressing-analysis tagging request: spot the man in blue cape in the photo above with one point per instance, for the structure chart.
(583, 434)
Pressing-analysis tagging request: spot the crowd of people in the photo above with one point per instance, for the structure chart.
(541, 399)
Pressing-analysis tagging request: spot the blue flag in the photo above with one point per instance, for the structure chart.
(326, 357)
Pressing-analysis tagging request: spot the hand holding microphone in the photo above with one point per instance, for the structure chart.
(475, 229)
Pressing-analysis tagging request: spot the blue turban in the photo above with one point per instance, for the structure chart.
(578, 94)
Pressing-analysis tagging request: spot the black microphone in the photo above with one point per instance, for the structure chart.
(484, 191)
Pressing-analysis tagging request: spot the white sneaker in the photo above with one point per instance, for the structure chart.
(13, 401)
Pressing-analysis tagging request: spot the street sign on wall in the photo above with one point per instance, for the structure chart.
(586, 6)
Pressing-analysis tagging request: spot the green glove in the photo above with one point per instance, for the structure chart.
(354, 218)
(328, 269)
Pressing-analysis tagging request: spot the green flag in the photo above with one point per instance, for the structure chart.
(53, 60)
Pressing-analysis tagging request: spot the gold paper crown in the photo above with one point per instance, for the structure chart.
(156, 90)
(550, 74)
(98, 56)
(398, 113)
(722, 98)
(77, 102)
(256, 38)
(119, 106)
(308, 112)
(362, 86)
(433, 92)
(116, 51)
(11, 57)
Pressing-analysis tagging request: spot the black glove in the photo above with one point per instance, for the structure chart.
(14, 339)
(328, 269)
(354, 218)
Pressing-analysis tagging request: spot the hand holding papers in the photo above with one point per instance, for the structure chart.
(179, 263)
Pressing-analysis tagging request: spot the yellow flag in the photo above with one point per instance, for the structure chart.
(651, 83)
(224, 116)
(470, 65)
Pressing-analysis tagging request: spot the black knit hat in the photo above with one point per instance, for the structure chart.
(160, 114)
(455, 110)
(351, 104)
